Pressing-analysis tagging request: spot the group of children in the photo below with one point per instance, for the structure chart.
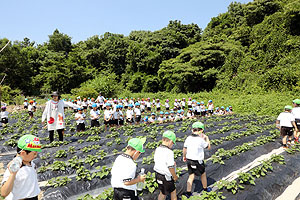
(288, 122)
(124, 179)
(134, 109)
(22, 183)
(30, 106)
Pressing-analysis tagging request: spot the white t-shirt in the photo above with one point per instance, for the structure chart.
(161, 119)
(286, 119)
(94, 114)
(195, 147)
(210, 106)
(129, 114)
(296, 112)
(121, 115)
(151, 120)
(79, 121)
(189, 103)
(107, 114)
(123, 170)
(167, 105)
(116, 114)
(30, 108)
(4, 114)
(163, 159)
(175, 104)
(25, 184)
(183, 103)
(25, 103)
(84, 103)
(137, 111)
(148, 103)
(158, 105)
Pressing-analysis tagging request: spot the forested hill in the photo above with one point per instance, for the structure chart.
(252, 47)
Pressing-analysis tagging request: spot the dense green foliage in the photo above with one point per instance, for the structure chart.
(252, 47)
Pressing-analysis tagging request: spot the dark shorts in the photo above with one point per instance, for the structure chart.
(107, 122)
(167, 108)
(115, 122)
(75, 110)
(194, 167)
(297, 121)
(197, 113)
(4, 120)
(286, 131)
(138, 118)
(32, 198)
(210, 111)
(80, 127)
(95, 123)
(122, 194)
(166, 187)
(158, 109)
(149, 108)
(203, 113)
(189, 106)
(121, 122)
(129, 120)
(30, 113)
(25, 107)
(125, 107)
(84, 107)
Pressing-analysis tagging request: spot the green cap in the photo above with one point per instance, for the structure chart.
(198, 125)
(288, 107)
(170, 135)
(296, 101)
(30, 143)
(137, 144)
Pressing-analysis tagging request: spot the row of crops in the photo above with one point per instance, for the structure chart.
(79, 167)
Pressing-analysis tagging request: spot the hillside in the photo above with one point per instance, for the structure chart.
(252, 47)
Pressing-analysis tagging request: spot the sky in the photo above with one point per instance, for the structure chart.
(81, 19)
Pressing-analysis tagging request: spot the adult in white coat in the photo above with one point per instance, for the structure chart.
(54, 113)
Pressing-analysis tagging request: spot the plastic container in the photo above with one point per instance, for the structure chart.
(16, 164)
(140, 185)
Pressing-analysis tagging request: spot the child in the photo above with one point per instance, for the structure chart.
(25, 104)
(148, 105)
(84, 104)
(230, 110)
(167, 105)
(157, 105)
(178, 116)
(175, 104)
(23, 184)
(285, 123)
(146, 120)
(4, 116)
(161, 117)
(107, 116)
(183, 103)
(129, 114)
(189, 103)
(137, 113)
(124, 170)
(95, 115)
(217, 111)
(164, 166)
(152, 118)
(296, 113)
(142, 106)
(167, 117)
(210, 107)
(222, 111)
(121, 116)
(79, 117)
(172, 117)
(198, 110)
(182, 114)
(202, 109)
(193, 154)
(34, 105)
(190, 114)
(30, 109)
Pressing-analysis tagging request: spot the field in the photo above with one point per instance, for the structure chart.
(245, 162)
